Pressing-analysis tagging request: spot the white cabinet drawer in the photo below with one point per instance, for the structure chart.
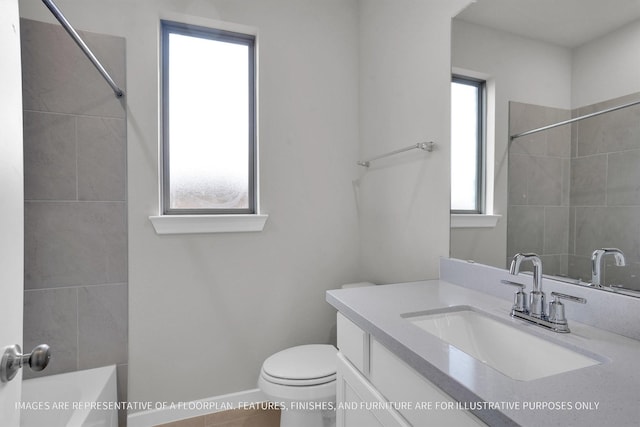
(353, 342)
(359, 403)
(398, 382)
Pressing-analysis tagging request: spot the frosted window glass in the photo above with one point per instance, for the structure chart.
(209, 108)
(464, 147)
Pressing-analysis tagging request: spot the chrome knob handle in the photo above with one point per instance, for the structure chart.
(39, 357)
(13, 360)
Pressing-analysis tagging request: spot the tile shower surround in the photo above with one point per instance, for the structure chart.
(76, 291)
(575, 188)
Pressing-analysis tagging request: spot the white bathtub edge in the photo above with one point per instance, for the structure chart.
(161, 416)
(77, 389)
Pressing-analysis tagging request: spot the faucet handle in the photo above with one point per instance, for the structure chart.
(556, 309)
(558, 295)
(520, 297)
(509, 282)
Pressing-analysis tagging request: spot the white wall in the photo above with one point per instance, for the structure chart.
(205, 311)
(608, 67)
(404, 99)
(11, 194)
(518, 69)
(334, 75)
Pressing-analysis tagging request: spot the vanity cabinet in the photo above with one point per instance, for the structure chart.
(359, 403)
(376, 388)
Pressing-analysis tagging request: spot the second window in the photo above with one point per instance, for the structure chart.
(467, 145)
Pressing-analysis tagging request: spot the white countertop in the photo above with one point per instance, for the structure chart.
(610, 391)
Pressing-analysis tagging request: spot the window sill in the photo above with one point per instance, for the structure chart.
(201, 224)
(474, 220)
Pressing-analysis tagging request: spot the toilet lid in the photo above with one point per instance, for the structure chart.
(305, 362)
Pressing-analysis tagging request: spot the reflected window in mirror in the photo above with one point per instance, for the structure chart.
(468, 117)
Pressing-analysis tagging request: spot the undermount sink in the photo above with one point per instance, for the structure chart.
(515, 353)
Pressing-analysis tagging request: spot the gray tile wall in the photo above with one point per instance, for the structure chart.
(606, 200)
(598, 181)
(76, 292)
(539, 186)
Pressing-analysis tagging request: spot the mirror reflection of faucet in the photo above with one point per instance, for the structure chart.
(535, 312)
(596, 264)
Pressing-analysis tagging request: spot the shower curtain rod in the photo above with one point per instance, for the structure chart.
(83, 46)
(575, 119)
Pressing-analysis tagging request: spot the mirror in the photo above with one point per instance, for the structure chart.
(568, 191)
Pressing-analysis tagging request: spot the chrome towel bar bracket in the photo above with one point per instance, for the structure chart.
(425, 146)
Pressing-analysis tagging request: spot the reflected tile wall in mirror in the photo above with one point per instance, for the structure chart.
(575, 189)
(539, 186)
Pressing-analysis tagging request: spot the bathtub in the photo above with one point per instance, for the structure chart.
(76, 399)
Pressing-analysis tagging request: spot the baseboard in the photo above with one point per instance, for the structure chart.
(171, 412)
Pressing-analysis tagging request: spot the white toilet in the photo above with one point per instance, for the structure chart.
(303, 379)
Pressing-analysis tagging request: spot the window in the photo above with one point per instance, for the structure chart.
(208, 121)
(467, 145)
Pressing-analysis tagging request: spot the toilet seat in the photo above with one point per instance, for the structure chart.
(304, 365)
(305, 373)
(298, 383)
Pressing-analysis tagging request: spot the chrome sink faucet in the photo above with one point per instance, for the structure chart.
(596, 263)
(536, 297)
(535, 313)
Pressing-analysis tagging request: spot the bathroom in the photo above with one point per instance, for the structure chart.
(200, 321)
